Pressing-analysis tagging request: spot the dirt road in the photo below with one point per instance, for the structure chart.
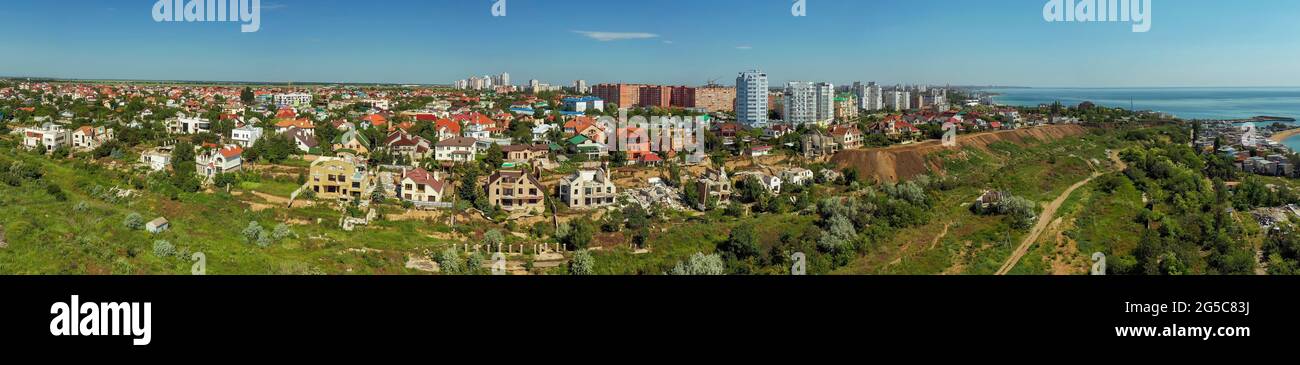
(1049, 214)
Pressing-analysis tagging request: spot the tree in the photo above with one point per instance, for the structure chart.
(448, 261)
(581, 232)
(618, 158)
(637, 218)
(839, 235)
(700, 265)
(493, 238)
(281, 232)
(494, 157)
(183, 157)
(163, 249)
(326, 133)
(133, 221)
(222, 180)
(61, 152)
(742, 243)
(613, 222)
(582, 263)
(247, 95)
(473, 262)
(56, 192)
(642, 237)
(252, 232)
(1022, 212)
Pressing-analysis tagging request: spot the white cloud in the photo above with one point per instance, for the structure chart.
(615, 36)
(744, 48)
(668, 42)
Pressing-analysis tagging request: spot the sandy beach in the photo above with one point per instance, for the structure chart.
(1283, 135)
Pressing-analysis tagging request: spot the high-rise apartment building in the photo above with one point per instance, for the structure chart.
(825, 112)
(807, 102)
(800, 103)
(869, 96)
(714, 98)
(622, 95)
(751, 98)
(656, 96)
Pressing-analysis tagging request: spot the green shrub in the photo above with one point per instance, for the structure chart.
(163, 249)
(133, 221)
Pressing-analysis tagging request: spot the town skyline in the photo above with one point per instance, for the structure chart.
(891, 42)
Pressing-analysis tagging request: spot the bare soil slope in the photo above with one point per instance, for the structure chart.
(891, 164)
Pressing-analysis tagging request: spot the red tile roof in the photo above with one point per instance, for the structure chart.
(232, 151)
(298, 123)
(421, 176)
(447, 124)
(376, 120)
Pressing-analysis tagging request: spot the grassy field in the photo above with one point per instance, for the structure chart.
(973, 244)
(85, 233)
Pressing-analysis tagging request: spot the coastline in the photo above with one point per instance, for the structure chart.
(1282, 136)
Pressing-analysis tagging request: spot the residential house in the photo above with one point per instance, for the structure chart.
(777, 131)
(89, 138)
(49, 135)
(446, 129)
(413, 147)
(157, 159)
(185, 125)
(895, 127)
(768, 182)
(541, 131)
(583, 104)
(593, 150)
(456, 150)
(304, 125)
(847, 136)
(713, 186)
(516, 191)
(422, 187)
(648, 159)
(375, 120)
(338, 179)
(526, 154)
(246, 136)
(352, 141)
(585, 126)
(797, 176)
(816, 144)
(304, 139)
(587, 189)
(213, 160)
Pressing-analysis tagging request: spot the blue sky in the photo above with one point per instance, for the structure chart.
(1003, 42)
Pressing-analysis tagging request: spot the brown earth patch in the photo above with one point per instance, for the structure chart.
(892, 164)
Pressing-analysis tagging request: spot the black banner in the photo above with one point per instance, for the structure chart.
(279, 313)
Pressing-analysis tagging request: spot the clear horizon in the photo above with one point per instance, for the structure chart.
(1193, 43)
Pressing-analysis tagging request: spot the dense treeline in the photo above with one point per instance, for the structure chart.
(1188, 217)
